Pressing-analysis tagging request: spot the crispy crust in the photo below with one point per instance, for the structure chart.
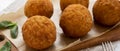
(65, 3)
(76, 21)
(39, 32)
(38, 7)
(107, 12)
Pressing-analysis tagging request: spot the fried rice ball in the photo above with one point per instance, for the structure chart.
(76, 21)
(39, 32)
(65, 3)
(107, 12)
(38, 7)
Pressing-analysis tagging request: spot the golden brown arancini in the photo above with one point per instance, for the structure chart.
(38, 7)
(107, 12)
(65, 3)
(39, 32)
(76, 21)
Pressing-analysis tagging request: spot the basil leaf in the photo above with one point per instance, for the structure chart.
(6, 24)
(6, 47)
(9, 25)
(14, 31)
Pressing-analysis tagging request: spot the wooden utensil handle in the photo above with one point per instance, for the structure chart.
(112, 35)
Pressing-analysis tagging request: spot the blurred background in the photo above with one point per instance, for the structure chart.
(5, 3)
(10, 5)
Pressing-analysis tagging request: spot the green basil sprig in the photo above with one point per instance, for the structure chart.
(5, 24)
(12, 26)
(14, 31)
(6, 47)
